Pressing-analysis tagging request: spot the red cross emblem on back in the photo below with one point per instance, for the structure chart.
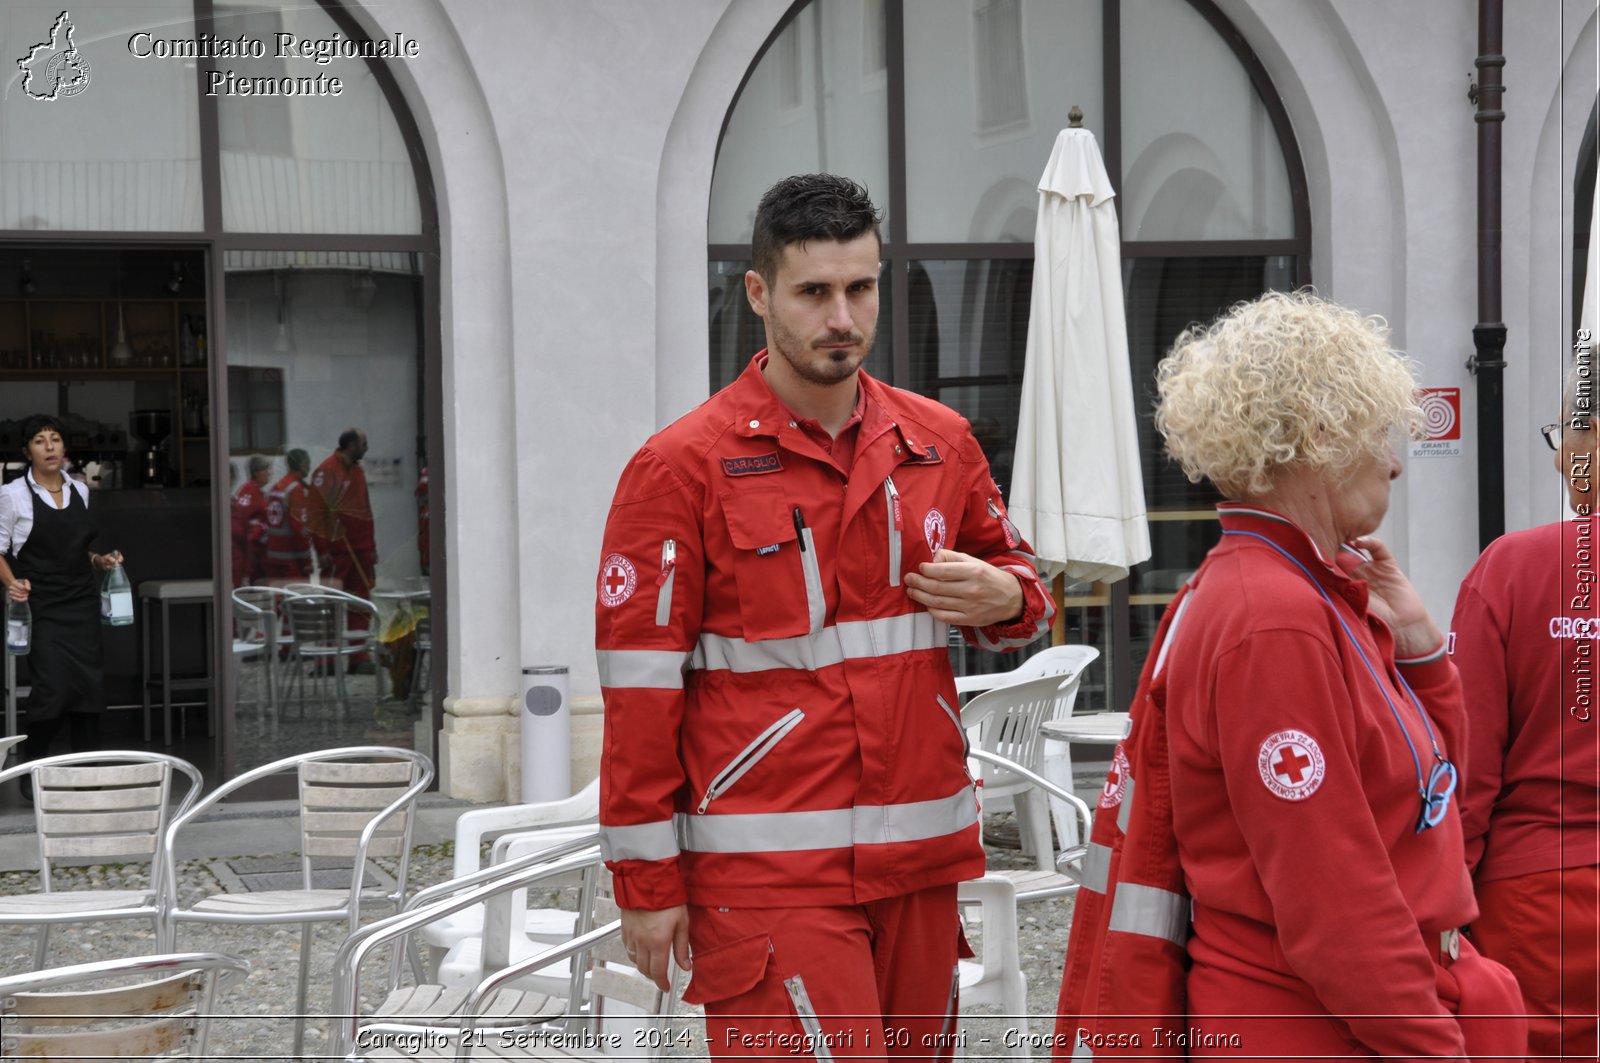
(1291, 764)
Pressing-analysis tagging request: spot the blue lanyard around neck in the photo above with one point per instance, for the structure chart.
(1442, 766)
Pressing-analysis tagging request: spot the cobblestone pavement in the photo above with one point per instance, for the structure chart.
(257, 1023)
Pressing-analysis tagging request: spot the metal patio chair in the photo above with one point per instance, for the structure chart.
(356, 802)
(148, 1007)
(106, 806)
(606, 1000)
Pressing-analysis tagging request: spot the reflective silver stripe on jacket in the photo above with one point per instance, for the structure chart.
(1083, 1051)
(642, 841)
(1097, 867)
(1149, 911)
(851, 640)
(642, 669)
(1125, 810)
(840, 828)
(1172, 629)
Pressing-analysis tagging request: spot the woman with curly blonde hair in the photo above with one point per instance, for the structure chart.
(1313, 719)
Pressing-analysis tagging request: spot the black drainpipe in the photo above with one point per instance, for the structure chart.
(1489, 334)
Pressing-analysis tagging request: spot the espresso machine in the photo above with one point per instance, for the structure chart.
(151, 428)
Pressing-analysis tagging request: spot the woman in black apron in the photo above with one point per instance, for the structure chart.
(54, 571)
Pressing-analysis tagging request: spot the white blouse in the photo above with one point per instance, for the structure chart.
(16, 509)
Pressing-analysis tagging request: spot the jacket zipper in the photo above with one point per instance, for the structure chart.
(669, 569)
(966, 742)
(750, 756)
(1006, 527)
(896, 527)
(816, 605)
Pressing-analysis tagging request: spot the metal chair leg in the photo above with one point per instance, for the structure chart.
(41, 947)
(305, 978)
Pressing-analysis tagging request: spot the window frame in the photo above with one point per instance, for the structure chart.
(215, 241)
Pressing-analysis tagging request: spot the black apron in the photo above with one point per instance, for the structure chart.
(64, 663)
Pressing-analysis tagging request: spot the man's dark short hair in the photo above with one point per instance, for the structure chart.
(37, 423)
(812, 206)
(348, 436)
(298, 460)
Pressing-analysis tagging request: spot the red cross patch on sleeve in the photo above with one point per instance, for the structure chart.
(618, 578)
(1291, 765)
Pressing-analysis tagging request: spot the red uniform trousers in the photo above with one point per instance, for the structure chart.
(1238, 1011)
(1545, 928)
(880, 977)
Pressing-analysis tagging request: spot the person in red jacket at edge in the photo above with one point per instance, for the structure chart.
(288, 542)
(342, 527)
(784, 794)
(1312, 727)
(1525, 624)
(249, 522)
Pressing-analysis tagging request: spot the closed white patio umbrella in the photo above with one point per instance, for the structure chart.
(1077, 492)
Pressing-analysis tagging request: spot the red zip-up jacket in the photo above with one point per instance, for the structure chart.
(1526, 632)
(781, 723)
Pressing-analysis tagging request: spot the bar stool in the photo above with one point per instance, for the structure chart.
(170, 592)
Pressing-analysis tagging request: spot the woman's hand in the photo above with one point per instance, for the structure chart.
(18, 590)
(1393, 599)
(106, 562)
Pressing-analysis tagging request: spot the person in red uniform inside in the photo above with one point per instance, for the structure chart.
(288, 540)
(342, 527)
(784, 793)
(250, 522)
(1314, 723)
(1525, 625)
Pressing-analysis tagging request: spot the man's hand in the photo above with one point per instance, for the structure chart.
(18, 590)
(654, 938)
(964, 591)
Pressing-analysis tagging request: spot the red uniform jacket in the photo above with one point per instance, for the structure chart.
(288, 541)
(341, 513)
(249, 531)
(779, 714)
(1282, 770)
(1526, 627)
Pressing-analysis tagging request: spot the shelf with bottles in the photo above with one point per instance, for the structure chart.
(110, 337)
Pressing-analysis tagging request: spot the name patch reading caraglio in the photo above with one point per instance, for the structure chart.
(751, 465)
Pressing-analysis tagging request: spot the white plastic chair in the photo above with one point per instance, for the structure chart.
(147, 1007)
(356, 802)
(995, 976)
(107, 806)
(456, 940)
(1006, 721)
(1054, 660)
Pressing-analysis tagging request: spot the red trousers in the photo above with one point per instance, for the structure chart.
(1544, 927)
(356, 575)
(879, 977)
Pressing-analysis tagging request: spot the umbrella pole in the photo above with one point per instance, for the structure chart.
(1058, 626)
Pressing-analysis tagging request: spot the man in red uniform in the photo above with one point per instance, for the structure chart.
(250, 522)
(288, 542)
(342, 527)
(1526, 625)
(783, 783)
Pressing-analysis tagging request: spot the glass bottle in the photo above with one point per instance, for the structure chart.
(116, 598)
(19, 628)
